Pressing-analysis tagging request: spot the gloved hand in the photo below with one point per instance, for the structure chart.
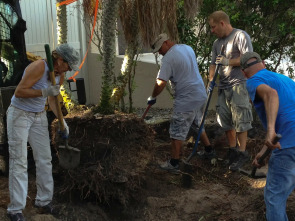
(222, 60)
(210, 87)
(151, 100)
(50, 91)
(65, 134)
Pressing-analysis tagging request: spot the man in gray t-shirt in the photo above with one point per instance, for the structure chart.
(233, 107)
(179, 66)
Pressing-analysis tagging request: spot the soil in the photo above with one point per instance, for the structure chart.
(119, 177)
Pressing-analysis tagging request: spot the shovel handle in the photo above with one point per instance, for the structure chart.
(266, 153)
(146, 111)
(53, 82)
(205, 110)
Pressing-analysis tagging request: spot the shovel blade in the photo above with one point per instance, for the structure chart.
(245, 172)
(257, 175)
(69, 157)
(186, 176)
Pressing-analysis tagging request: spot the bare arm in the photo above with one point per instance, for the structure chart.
(52, 101)
(62, 79)
(212, 68)
(235, 62)
(52, 104)
(271, 103)
(257, 157)
(159, 86)
(33, 73)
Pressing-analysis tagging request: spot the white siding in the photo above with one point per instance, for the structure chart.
(73, 26)
(39, 21)
(42, 28)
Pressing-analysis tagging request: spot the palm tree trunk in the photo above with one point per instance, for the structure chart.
(109, 18)
(129, 20)
(62, 38)
(126, 69)
(62, 25)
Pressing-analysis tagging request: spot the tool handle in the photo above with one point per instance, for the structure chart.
(49, 57)
(53, 82)
(146, 111)
(205, 111)
(218, 66)
(266, 153)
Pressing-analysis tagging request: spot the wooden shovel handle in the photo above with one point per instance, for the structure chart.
(266, 153)
(53, 82)
(146, 111)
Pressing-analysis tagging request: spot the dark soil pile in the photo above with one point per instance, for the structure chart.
(114, 152)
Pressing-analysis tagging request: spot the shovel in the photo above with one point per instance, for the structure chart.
(187, 167)
(258, 175)
(69, 157)
(146, 111)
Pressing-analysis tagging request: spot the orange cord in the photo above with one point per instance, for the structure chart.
(94, 23)
(66, 2)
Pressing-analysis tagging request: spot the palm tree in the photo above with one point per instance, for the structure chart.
(109, 19)
(129, 20)
(62, 24)
(62, 37)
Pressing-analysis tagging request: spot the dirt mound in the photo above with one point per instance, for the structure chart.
(114, 152)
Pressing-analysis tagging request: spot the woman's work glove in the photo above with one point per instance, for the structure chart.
(50, 91)
(65, 134)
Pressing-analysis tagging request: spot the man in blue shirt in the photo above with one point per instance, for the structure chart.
(273, 97)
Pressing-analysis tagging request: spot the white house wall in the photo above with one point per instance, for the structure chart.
(145, 80)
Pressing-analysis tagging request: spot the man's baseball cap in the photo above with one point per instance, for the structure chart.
(247, 56)
(70, 55)
(158, 42)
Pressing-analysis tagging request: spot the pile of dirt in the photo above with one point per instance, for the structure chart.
(114, 152)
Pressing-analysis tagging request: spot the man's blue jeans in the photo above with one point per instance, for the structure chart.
(279, 184)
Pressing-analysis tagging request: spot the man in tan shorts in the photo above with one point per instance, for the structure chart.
(179, 67)
(233, 107)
